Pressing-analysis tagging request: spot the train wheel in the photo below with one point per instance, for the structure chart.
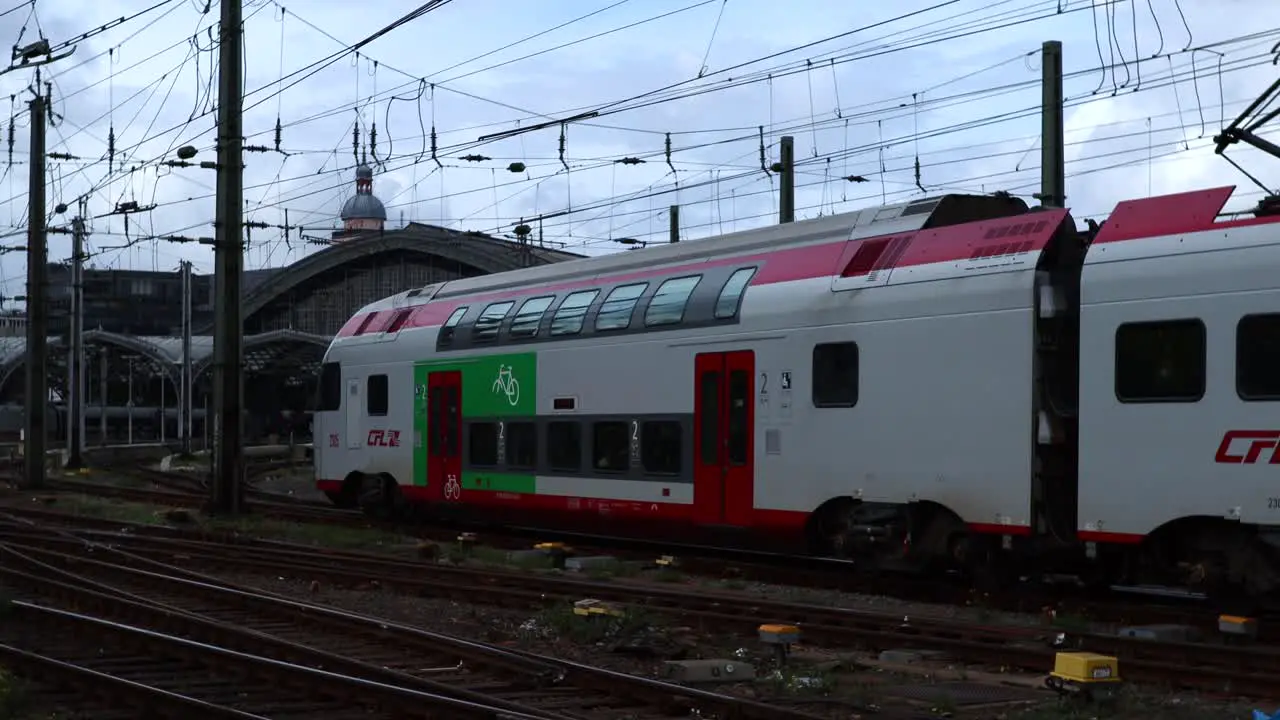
(374, 497)
(340, 499)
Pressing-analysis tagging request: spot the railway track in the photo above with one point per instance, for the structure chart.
(131, 654)
(1202, 666)
(268, 504)
(439, 670)
(1075, 604)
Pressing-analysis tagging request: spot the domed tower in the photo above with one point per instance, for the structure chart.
(363, 211)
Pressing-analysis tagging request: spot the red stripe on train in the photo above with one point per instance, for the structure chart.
(761, 519)
(947, 244)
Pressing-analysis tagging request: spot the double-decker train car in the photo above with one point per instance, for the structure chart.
(959, 380)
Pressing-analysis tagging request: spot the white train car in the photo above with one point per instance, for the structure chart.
(1180, 389)
(921, 380)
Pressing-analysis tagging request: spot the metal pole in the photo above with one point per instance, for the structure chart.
(228, 350)
(75, 362)
(185, 405)
(1053, 169)
(163, 419)
(787, 180)
(102, 398)
(130, 441)
(675, 224)
(37, 315)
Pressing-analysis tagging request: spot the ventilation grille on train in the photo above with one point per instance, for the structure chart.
(1009, 234)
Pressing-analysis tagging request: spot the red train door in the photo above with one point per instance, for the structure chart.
(723, 438)
(444, 436)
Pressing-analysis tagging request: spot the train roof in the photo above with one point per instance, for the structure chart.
(911, 216)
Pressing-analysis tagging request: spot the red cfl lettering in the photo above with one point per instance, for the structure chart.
(1260, 440)
(383, 438)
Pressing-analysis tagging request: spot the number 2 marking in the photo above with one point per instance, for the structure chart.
(635, 431)
(764, 383)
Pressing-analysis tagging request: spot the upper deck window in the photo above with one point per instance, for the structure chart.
(668, 303)
(447, 330)
(491, 319)
(572, 312)
(529, 316)
(615, 313)
(731, 294)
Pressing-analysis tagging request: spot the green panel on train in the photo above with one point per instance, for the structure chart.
(492, 386)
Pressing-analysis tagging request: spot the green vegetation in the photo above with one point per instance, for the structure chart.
(799, 680)
(561, 621)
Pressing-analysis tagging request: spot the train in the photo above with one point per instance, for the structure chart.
(960, 382)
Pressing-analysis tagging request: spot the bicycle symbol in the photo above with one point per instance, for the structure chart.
(508, 384)
(452, 489)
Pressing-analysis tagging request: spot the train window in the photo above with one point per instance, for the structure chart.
(529, 316)
(572, 312)
(731, 294)
(615, 313)
(661, 447)
(610, 447)
(668, 303)
(1257, 357)
(564, 446)
(376, 399)
(709, 444)
(522, 445)
(491, 319)
(447, 330)
(482, 445)
(1161, 361)
(330, 387)
(835, 375)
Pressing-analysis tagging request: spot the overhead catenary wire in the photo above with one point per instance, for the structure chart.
(283, 200)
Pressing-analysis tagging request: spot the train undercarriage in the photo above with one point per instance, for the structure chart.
(1198, 557)
(1231, 563)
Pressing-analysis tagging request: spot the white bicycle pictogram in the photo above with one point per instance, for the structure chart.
(507, 384)
(452, 489)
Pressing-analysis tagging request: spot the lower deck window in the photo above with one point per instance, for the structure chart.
(610, 447)
(661, 447)
(522, 445)
(564, 446)
(482, 446)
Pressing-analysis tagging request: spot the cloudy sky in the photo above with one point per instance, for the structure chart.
(867, 89)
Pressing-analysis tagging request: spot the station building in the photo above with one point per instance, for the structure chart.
(132, 321)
